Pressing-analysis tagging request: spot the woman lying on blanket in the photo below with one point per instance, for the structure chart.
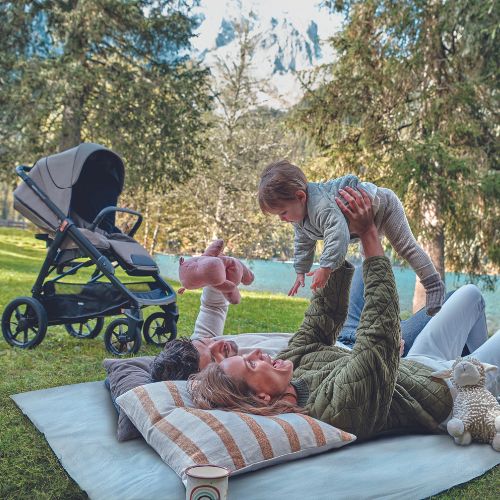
(182, 357)
(369, 389)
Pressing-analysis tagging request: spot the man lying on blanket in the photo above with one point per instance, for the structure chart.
(182, 357)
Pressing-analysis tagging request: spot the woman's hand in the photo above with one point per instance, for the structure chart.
(359, 213)
(358, 210)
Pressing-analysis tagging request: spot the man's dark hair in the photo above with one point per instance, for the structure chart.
(177, 361)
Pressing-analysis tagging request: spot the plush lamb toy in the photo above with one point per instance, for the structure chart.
(476, 412)
(214, 269)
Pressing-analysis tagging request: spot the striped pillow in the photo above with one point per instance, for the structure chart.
(183, 435)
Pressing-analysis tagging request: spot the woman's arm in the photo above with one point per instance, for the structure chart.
(360, 394)
(327, 311)
(324, 316)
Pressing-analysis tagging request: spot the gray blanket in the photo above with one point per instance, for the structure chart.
(79, 423)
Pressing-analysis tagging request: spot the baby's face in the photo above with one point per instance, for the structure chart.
(291, 210)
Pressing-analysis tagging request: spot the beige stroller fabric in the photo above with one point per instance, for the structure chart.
(55, 175)
(97, 237)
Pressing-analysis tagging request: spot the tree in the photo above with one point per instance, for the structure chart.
(410, 104)
(105, 71)
(221, 200)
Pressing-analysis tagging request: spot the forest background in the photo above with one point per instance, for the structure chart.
(409, 100)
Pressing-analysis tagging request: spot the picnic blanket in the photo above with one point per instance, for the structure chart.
(79, 423)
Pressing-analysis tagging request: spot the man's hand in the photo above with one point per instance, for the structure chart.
(320, 277)
(359, 213)
(298, 282)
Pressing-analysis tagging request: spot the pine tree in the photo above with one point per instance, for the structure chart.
(221, 200)
(105, 71)
(411, 104)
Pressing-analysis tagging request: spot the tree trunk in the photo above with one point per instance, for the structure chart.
(71, 131)
(154, 240)
(434, 247)
(146, 226)
(5, 204)
(218, 214)
(75, 50)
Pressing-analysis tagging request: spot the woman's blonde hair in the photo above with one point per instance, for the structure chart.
(213, 389)
(279, 182)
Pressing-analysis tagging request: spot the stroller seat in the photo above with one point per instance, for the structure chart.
(131, 255)
(70, 250)
(99, 240)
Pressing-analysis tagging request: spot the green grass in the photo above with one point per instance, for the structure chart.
(28, 467)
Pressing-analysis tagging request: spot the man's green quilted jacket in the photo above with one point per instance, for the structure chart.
(368, 390)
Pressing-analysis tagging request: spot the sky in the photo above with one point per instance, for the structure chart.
(299, 12)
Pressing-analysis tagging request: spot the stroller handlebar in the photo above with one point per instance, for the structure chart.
(107, 210)
(22, 170)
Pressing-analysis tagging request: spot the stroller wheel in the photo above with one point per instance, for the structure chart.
(89, 329)
(159, 328)
(24, 322)
(119, 341)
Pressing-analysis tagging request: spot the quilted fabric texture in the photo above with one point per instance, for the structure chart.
(183, 435)
(369, 389)
(123, 375)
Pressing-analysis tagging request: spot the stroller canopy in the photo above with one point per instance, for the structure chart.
(81, 180)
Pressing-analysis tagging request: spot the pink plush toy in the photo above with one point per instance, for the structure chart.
(214, 269)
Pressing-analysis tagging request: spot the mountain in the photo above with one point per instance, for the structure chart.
(285, 46)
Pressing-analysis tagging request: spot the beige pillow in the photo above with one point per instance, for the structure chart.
(183, 435)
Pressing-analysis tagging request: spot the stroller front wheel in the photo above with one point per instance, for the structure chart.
(24, 322)
(119, 340)
(159, 328)
(89, 329)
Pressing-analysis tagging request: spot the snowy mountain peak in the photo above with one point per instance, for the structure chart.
(285, 43)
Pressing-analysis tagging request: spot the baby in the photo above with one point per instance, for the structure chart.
(312, 209)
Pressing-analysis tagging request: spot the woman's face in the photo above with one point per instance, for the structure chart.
(263, 375)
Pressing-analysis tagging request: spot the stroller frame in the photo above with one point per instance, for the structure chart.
(127, 302)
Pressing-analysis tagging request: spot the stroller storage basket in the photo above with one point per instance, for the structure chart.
(69, 302)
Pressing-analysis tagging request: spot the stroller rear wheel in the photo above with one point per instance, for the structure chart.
(119, 341)
(159, 328)
(89, 329)
(24, 322)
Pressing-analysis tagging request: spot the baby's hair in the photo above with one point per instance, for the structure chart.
(279, 182)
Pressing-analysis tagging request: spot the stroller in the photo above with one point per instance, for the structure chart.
(71, 197)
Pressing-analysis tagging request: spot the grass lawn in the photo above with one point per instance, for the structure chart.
(28, 467)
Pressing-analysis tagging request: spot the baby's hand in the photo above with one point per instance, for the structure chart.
(401, 347)
(320, 277)
(298, 282)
